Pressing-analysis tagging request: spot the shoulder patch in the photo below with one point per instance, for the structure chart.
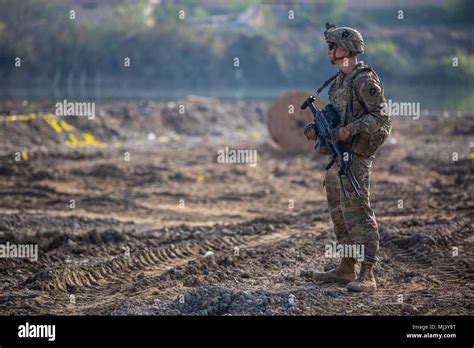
(370, 91)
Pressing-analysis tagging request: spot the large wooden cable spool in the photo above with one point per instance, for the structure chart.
(286, 121)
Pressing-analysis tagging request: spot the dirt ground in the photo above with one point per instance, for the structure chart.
(136, 239)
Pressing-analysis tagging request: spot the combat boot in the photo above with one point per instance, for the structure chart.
(365, 281)
(342, 274)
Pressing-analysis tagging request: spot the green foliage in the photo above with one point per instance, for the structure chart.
(171, 54)
(383, 49)
(334, 10)
(166, 13)
(464, 72)
(239, 5)
(318, 13)
(133, 17)
(268, 18)
(308, 53)
(259, 61)
(199, 11)
(462, 10)
(385, 56)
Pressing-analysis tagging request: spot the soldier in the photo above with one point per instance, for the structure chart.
(356, 94)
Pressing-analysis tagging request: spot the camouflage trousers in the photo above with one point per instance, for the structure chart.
(353, 218)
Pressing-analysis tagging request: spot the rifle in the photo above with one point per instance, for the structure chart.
(326, 122)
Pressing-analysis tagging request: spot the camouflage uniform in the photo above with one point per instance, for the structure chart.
(357, 98)
(353, 218)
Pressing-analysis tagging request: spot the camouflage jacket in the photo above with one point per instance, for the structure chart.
(357, 98)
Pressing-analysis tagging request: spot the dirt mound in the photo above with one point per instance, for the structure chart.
(33, 127)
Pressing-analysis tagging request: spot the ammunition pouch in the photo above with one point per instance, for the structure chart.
(367, 144)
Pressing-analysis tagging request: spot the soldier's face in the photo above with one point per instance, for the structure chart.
(329, 55)
(336, 52)
(332, 53)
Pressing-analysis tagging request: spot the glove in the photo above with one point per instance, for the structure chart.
(310, 131)
(322, 149)
(342, 133)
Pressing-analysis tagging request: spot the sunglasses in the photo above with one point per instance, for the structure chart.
(331, 45)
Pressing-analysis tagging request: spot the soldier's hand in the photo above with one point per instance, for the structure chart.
(310, 131)
(342, 133)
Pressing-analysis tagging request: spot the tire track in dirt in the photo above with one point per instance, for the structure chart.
(433, 249)
(434, 278)
(152, 263)
(92, 282)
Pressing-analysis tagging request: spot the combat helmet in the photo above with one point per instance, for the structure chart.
(344, 37)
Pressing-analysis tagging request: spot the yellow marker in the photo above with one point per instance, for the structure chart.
(51, 119)
(89, 140)
(26, 118)
(72, 142)
(200, 178)
(66, 126)
(24, 155)
(21, 118)
(471, 155)
(256, 135)
(60, 125)
(164, 138)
